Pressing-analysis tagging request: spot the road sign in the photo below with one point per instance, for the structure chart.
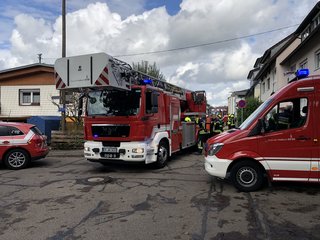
(242, 104)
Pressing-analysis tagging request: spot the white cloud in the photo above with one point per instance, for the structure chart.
(223, 66)
(219, 68)
(123, 8)
(7, 59)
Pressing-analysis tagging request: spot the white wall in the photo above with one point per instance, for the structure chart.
(10, 101)
(256, 93)
(281, 75)
(265, 90)
(231, 104)
(307, 52)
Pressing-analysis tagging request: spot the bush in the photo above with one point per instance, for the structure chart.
(252, 104)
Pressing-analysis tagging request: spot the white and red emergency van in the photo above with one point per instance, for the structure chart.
(129, 116)
(280, 140)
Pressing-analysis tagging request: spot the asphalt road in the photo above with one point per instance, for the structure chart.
(66, 197)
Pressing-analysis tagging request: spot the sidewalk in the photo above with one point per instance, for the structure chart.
(66, 153)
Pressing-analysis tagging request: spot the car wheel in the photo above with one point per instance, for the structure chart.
(162, 155)
(247, 176)
(16, 159)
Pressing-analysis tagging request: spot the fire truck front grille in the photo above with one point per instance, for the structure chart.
(110, 130)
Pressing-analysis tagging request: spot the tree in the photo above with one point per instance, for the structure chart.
(71, 110)
(252, 104)
(151, 70)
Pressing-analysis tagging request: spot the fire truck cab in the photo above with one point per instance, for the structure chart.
(280, 140)
(129, 116)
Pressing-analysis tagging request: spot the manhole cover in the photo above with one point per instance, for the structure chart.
(94, 180)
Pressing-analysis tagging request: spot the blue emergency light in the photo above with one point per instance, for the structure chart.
(302, 73)
(146, 81)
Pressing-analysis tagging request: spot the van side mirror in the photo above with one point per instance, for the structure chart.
(258, 129)
(261, 126)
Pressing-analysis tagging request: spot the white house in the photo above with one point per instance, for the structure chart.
(28, 91)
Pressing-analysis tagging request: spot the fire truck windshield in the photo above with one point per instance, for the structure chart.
(114, 103)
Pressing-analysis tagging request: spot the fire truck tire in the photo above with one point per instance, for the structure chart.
(247, 176)
(162, 154)
(16, 159)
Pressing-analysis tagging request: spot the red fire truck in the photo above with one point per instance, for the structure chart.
(129, 116)
(279, 140)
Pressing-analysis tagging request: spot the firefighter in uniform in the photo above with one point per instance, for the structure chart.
(197, 120)
(208, 124)
(201, 135)
(218, 125)
(187, 119)
(231, 121)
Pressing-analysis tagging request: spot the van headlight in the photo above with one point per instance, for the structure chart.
(214, 148)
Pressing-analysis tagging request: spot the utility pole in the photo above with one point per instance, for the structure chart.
(62, 92)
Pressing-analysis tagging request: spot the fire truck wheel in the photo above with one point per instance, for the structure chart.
(162, 155)
(16, 159)
(247, 176)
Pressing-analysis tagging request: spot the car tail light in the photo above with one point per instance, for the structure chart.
(38, 141)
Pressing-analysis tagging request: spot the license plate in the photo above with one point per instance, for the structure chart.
(110, 155)
(109, 149)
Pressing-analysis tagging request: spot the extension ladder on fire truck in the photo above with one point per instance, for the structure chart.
(100, 70)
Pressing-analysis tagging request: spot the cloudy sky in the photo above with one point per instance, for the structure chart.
(212, 44)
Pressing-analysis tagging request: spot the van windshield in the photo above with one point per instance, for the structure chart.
(255, 114)
(114, 103)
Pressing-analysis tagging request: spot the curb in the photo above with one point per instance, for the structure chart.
(65, 153)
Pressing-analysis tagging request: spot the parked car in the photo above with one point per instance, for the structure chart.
(20, 143)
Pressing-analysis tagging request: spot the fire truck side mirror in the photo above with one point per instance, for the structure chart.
(199, 96)
(154, 102)
(154, 110)
(80, 106)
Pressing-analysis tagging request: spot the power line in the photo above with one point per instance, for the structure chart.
(205, 44)
(199, 45)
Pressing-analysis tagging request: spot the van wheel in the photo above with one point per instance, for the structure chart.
(247, 176)
(17, 159)
(162, 155)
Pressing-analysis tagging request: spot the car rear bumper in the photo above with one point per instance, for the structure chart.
(41, 153)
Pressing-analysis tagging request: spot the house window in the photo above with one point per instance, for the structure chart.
(303, 64)
(29, 97)
(316, 21)
(268, 84)
(305, 33)
(317, 59)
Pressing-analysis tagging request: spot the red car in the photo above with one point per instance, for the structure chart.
(20, 143)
